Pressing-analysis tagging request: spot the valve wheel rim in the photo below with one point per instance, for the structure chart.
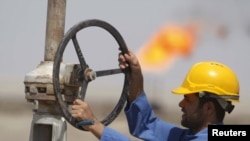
(71, 34)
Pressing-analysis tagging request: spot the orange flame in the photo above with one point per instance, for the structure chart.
(168, 43)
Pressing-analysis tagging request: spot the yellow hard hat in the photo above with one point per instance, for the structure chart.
(213, 77)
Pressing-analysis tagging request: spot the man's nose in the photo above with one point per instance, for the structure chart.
(181, 103)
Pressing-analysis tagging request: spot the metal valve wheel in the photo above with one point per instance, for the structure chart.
(87, 74)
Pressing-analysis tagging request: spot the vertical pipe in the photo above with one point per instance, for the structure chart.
(54, 27)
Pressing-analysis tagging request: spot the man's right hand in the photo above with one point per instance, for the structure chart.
(82, 111)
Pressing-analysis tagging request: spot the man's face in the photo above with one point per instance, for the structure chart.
(193, 115)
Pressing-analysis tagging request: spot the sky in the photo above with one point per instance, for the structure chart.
(23, 26)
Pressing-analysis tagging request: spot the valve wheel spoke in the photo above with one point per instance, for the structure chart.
(79, 53)
(108, 72)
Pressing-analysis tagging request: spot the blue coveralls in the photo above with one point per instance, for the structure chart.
(144, 125)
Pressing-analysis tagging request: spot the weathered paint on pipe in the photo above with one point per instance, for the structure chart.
(55, 27)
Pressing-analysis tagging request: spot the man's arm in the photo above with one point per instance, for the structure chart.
(130, 60)
(82, 111)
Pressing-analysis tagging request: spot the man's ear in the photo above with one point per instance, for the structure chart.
(209, 107)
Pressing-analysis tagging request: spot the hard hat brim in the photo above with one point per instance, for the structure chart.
(182, 91)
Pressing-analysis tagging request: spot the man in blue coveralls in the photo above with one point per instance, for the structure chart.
(208, 89)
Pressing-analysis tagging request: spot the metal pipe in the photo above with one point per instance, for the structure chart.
(54, 28)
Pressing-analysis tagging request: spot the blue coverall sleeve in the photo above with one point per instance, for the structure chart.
(145, 125)
(112, 135)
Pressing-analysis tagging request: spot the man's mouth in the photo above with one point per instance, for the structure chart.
(183, 113)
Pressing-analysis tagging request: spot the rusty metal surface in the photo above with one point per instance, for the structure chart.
(38, 83)
(55, 27)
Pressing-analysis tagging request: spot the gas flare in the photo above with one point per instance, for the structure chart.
(169, 42)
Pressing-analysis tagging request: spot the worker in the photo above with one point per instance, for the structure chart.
(209, 90)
